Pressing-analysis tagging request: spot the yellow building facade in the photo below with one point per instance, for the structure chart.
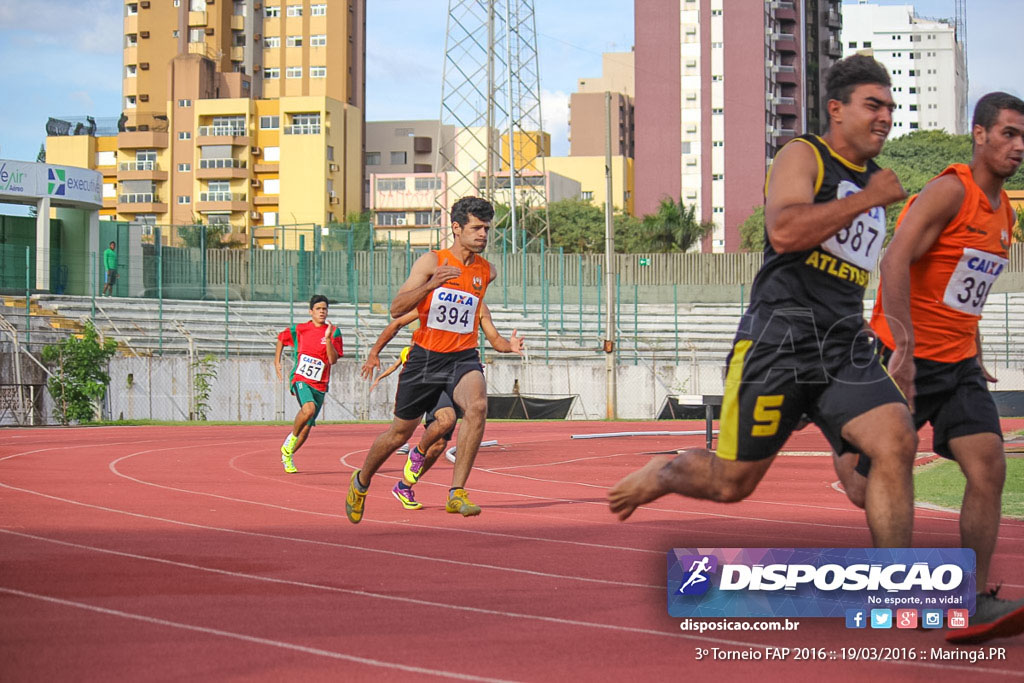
(589, 171)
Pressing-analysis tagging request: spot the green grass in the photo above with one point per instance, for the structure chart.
(942, 483)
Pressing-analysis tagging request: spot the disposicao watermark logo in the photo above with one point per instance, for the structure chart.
(55, 181)
(817, 582)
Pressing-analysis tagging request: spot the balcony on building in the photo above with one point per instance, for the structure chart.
(784, 73)
(197, 18)
(140, 202)
(214, 169)
(785, 106)
(833, 19)
(222, 135)
(222, 201)
(784, 10)
(834, 48)
(140, 170)
(142, 139)
(302, 129)
(266, 200)
(784, 42)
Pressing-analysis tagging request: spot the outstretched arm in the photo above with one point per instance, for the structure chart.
(277, 359)
(394, 366)
(512, 345)
(373, 358)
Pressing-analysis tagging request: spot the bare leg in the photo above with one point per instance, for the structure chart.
(301, 438)
(432, 441)
(471, 396)
(300, 426)
(854, 483)
(695, 473)
(983, 462)
(886, 435)
(384, 445)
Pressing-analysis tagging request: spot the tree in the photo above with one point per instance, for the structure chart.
(576, 225)
(80, 379)
(674, 227)
(199, 235)
(752, 231)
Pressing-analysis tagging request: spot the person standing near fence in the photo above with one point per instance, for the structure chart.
(446, 288)
(110, 269)
(951, 243)
(800, 348)
(316, 346)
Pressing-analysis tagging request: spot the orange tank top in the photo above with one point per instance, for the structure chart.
(949, 284)
(450, 315)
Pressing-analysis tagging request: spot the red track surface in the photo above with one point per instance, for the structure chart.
(163, 553)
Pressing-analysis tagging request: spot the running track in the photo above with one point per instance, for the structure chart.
(170, 553)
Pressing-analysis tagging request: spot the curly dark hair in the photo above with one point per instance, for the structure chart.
(475, 206)
(846, 74)
(986, 111)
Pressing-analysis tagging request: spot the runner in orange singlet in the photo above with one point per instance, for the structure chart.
(952, 242)
(446, 287)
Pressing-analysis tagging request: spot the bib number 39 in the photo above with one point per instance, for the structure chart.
(972, 280)
(452, 310)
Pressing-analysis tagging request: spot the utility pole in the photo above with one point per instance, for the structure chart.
(609, 263)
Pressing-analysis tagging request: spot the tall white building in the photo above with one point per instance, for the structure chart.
(925, 58)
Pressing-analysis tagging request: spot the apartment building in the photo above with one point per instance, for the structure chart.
(737, 80)
(589, 115)
(926, 61)
(196, 141)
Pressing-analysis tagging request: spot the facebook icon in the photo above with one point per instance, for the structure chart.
(856, 618)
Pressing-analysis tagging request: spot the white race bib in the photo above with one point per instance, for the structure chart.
(972, 280)
(452, 310)
(861, 242)
(309, 368)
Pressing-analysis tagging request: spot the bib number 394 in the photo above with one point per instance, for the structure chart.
(452, 310)
(861, 242)
(310, 368)
(972, 280)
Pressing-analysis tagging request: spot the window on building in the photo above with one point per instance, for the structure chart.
(852, 44)
(718, 143)
(184, 103)
(106, 158)
(184, 135)
(587, 195)
(131, 40)
(427, 184)
(913, 107)
(271, 11)
(294, 10)
(272, 73)
(716, 12)
(293, 72)
(399, 158)
(330, 152)
(913, 125)
(304, 124)
(718, 209)
(270, 122)
(132, 8)
(130, 71)
(271, 153)
(197, 5)
(109, 190)
(427, 217)
(271, 42)
(319, 10)
(184, 199)
(219, 219)
(373, 158)
(391, 218)
(318, 72)
(196, 35)
(272, 186)
(184, 168)
(913, 90)
(129, 102)
(390, 184)
(866, 43)
(240, 8)
(318, 40)
(294, 41)
(270, 218)
(717, 110)
(717, 176)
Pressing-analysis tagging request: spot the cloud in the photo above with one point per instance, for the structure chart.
(555, 110)
(89, 26)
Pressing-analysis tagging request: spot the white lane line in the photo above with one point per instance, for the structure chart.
(248, 638)
(440, 605)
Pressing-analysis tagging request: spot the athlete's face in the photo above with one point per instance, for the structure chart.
(866, 119)
(1001, 147)
(472, 235)
(319, 312)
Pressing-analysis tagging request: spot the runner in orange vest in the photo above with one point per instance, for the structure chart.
(446, 287)
(952, 242)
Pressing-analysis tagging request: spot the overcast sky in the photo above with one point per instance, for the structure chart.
(63, 57)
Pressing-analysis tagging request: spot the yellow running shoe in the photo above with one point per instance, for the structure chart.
(286, 460)
(354, 501)
(459, 503)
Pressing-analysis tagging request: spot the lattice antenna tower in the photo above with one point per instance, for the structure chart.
(490, 95)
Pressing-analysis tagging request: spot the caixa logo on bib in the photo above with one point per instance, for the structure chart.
(816, 582)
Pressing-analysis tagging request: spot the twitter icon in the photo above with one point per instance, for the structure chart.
(881, 618)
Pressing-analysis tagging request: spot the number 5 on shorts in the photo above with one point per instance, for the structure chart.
(767, 415)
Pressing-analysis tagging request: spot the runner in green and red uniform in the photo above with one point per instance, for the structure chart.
(311, 373)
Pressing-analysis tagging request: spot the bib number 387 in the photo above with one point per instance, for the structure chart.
(972, 280)
(452, 310)
(861, 242)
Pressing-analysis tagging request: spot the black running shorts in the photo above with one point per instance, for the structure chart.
(428, 374)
